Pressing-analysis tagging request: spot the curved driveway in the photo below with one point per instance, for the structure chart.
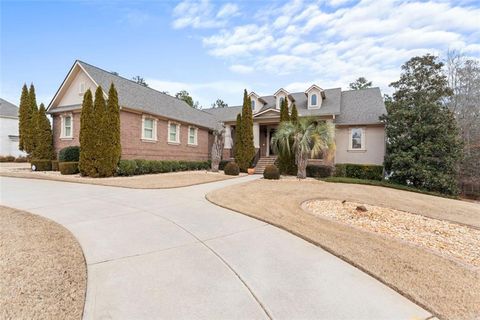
(170, 254)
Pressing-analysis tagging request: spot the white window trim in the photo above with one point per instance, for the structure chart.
(178, 133)
(195, 142)
(154, 133)
(62, 126)
(363, 141)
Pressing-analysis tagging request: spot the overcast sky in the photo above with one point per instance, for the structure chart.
(214, 49)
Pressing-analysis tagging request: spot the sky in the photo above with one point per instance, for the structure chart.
(215, 49)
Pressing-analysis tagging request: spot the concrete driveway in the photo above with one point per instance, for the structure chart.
(170, 254)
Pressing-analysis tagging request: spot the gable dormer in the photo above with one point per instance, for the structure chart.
(315, 96)
(280, 95)
(256, 103)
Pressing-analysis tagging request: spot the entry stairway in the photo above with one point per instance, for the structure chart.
(263, 163)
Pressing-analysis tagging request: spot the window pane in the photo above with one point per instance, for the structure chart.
(68, 121)
(314, 100)
(68, 131)
(356, 138)
(173, 136)
(148, 124)
(148, 133)
(191, 135)
(173, 132)
(253, 104)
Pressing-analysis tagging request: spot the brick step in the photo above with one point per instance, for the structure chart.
(263, 163)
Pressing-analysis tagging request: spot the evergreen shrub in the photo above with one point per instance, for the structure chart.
(319, 171)
(68, 167)
(232, 169)
(55, 166)
(271, 172)
(41, 165)
(69, 154)
(359, 171)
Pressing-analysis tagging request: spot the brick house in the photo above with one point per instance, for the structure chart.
(155, 125)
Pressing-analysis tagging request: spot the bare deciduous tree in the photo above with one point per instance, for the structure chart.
(217, 148)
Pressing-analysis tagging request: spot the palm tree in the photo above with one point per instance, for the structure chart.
(306, 138)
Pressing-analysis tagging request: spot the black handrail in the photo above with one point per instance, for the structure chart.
(256, 158)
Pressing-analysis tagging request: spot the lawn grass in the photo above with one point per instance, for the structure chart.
(384, 183)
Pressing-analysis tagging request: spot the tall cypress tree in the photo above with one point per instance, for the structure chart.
(237, 148)
(112, 135)
(43, 137)
(31, 125)
(101, 121)
(23, 114)
(294, 114)
(284, 116)
(248, 147)
(87, 135)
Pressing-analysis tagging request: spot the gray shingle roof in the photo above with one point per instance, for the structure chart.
(8, 109)
(224, 114)
(134, 96)
(361, 107)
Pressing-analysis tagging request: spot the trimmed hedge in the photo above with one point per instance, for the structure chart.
(319, 171)
(68, 167)
(231, 169)
(271, 172)
(41, 165)
(7, 159)
(21, 159)
(55, 166)
(139, 166)
(69, 154)
(359, 171)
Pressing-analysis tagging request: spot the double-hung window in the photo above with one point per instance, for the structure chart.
(357, 139)
(192, 136)
(67, 127)
(173, 132)
(149, 128)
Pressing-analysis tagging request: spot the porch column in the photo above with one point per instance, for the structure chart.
(256, 135)
(228, 137)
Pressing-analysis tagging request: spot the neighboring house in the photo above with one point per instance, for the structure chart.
(155, 125)
(9, 130)
(359, 134)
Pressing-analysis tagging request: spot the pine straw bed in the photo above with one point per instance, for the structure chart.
(42, 268)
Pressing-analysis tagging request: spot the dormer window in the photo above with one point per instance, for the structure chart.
(253, 104)
(281, 100)
(315, 96)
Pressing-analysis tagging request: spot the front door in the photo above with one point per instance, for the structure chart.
(270, 133)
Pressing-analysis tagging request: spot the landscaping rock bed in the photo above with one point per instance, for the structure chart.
(445, 238)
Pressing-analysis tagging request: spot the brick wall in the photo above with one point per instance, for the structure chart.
(134, 148)
(56, 127)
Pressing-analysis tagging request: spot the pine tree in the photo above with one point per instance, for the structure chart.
(423, 146)
(294, 114)
(112, 134)
(237, 148)
(30, 127)
(248, 147)
(87, 136)
(43, 138)
(24, 111)
(284, 111)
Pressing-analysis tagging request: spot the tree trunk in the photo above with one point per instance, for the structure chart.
(302, 161)
(217, 149)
